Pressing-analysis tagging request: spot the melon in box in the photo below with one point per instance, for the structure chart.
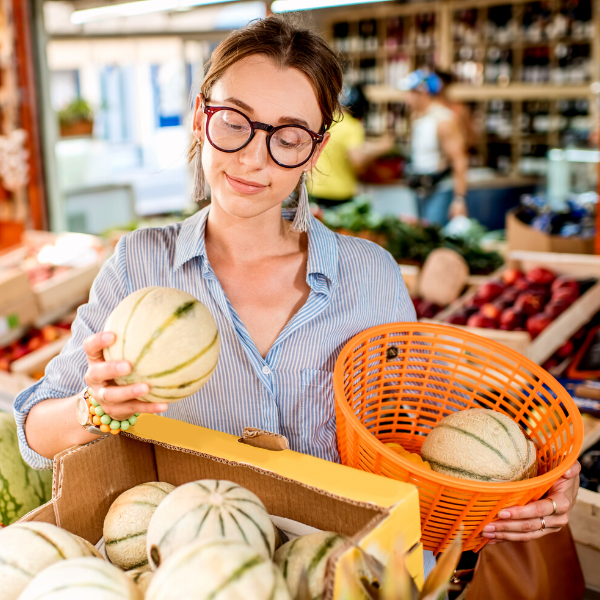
(21, 488)
(169, 337)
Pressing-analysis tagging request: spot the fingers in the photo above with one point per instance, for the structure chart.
(537, 509)
(100, 372)
(523, 527)
(573, 471)
(118, 394)
(124, 410)
(94, 345)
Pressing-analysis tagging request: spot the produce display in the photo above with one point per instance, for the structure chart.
(21, 488)
(33, 340)
(480, 444)
(308, 554)
(39, 561)
(519, 301)
(169, 337)
(408, 242)
(209, 510)
(126, 524)
(90, 578)
(227, 569)
(27, 549)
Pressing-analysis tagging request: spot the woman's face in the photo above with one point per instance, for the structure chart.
(248, 183)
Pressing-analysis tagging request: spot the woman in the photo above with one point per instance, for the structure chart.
(285, 299)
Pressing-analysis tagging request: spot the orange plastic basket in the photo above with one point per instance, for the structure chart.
(395, 382)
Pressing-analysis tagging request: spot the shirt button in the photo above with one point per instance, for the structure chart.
(266, 370)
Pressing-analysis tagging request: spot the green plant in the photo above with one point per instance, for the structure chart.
(77, 110)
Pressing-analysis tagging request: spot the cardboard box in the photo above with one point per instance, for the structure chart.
(584, 521)
(521, 236)
(373, 510)
(553, 337)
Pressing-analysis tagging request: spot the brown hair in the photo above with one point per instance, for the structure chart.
(287, 45)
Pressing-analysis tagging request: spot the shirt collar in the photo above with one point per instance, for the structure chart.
(322, 244)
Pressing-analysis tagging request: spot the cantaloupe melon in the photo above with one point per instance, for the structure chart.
(169, 337)
(480, 444)
(21, 488)
(82, 579)
(126, 523)
(308, 553)
(209, 510)
(141, 578)
(26, 549)
(219, 570)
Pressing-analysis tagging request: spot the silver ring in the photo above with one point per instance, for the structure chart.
(543, 524)
(100, 394)
(553, 504)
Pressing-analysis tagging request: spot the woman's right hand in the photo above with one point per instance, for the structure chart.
(118, 401)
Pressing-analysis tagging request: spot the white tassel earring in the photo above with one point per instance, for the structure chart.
(302, 218)
(199, 193)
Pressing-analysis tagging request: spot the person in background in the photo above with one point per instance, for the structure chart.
(439, 162)
(347, 155)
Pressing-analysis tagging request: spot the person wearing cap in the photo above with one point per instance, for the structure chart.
(438, 168)
(347, 155)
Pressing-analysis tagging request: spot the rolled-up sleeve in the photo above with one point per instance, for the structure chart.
(65, 374)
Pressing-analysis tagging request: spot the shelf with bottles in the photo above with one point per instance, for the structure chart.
(531, 42)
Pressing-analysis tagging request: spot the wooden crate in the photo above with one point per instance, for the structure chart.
(578, 266)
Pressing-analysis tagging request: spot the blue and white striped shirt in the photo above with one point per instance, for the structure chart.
(354, 285)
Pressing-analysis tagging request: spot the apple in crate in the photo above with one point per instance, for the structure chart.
(565, 282)
(566, 293)
(529, 303)
(556, 308)
(491, 311)
(540, 275)
(490, 291)
(537, 323)
(510, 276)
(460, 317)
(511, 319)
(481, 321)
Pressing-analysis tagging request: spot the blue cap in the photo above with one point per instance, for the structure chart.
(422, 80)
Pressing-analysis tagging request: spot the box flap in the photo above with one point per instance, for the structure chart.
(336, 479)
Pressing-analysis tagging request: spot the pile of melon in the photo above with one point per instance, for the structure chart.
(201, 540)
(478, 444)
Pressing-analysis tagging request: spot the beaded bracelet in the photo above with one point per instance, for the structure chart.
(102, 420)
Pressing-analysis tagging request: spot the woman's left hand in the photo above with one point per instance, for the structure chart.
(524, 523)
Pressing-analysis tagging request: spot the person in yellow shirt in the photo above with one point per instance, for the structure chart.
(347, 154)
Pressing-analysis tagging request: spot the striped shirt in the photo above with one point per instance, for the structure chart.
(354, 284)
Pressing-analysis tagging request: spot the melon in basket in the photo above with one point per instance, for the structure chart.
(480, 444)
(223, 570)
(81, 579)
(126, 523)
(209, 509)
(26, 549)
(21, 488)
(169, 337)
(308, 553)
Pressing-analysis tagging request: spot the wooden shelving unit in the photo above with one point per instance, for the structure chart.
(520, 116)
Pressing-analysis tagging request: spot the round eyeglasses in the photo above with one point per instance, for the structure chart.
(230, 130)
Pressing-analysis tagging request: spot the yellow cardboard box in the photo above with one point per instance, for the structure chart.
(373, 510)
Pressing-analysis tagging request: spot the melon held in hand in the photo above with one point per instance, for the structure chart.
(480, 444)
(169, 337)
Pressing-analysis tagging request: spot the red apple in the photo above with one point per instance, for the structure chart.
(491, 290)
(540, 275)
(482, 321)
(529, 303)
(511, 318)
(458, 318)
(565, 350)
(522, 285)
(4, 364)
(563, 282)
(537, 323)
(510, 276)
(475, 302)
(34, 343)
(19, 351)
(556, 307)
(428, 310)
(491, 311)
(566, 293)
(510, 296)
